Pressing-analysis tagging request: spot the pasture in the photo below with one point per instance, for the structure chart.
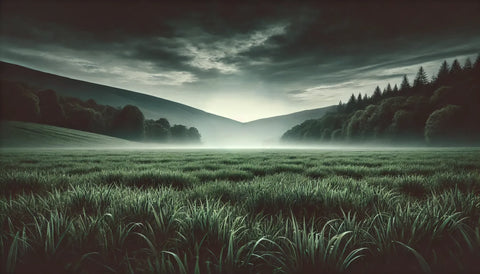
(240, 211)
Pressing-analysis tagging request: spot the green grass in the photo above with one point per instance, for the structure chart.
(22, 134)
(218, 211)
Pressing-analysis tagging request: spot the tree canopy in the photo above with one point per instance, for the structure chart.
(22, 103)
(444, 110)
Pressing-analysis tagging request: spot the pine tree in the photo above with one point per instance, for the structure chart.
(405, 85)
(395, 89)
(468, 65)
(352, 99)
(352, 102)
(359, 100)
(421, 78)
(456, 68)
(340, 106)
(377, 94)
(442, 72)
(476, 65)
(388, 91)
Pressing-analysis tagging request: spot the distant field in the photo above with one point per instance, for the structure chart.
(240, 211)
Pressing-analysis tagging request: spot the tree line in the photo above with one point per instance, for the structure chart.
(20, 102)
(443, 110)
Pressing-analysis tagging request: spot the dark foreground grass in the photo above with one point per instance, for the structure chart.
(71, 211)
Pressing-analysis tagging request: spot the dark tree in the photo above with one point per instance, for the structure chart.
(388, 90)
(351, 104)
(108, 114)
(85, 119)
(193, 135)
(402, 123)
(468, 65)
(443, 96)
(156, 131)
(50, 109)
(91, 103)
(377, 95)
(18, 102)
(365, 98)
(444, 125)
(383, 114)
(443, 72)
(476, 65)
(405, 85)
(359, 100)
(456, 68)
(354, 125)
(179, 133)
(421, 78)
(340, 107)
(129, 123)
(395, 89)
(163, 122)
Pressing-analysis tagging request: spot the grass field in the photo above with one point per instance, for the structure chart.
(22, 134)
(220, 211)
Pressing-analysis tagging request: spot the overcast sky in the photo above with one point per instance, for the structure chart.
(242, 61)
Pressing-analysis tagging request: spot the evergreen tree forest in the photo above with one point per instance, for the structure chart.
(442, 111)
(23, 103)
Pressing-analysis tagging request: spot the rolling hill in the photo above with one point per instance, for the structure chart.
(215, 130)
(272, 127)
(208, 124)
(21, 134)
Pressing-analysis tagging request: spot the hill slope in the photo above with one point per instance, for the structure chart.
(215, 130)
(21, 134)
(208, 124)
(273, 127)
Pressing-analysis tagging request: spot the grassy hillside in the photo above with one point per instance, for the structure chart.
(20, 134)
(115, 211)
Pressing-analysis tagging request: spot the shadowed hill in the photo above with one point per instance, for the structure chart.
(21, 134)
(215, 130)
(152, 107)
(273, 127)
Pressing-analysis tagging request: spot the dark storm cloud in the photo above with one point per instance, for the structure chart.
(357, 34)
(286, 50)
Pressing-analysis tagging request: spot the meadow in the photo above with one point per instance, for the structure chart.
(240, 211)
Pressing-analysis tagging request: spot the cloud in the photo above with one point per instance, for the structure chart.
(364, 80)
(167, 78)
(122, 72)
(324, 92)
(302, 55)
(214, 54)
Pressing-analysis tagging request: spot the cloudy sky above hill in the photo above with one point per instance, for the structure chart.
(242, 61)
